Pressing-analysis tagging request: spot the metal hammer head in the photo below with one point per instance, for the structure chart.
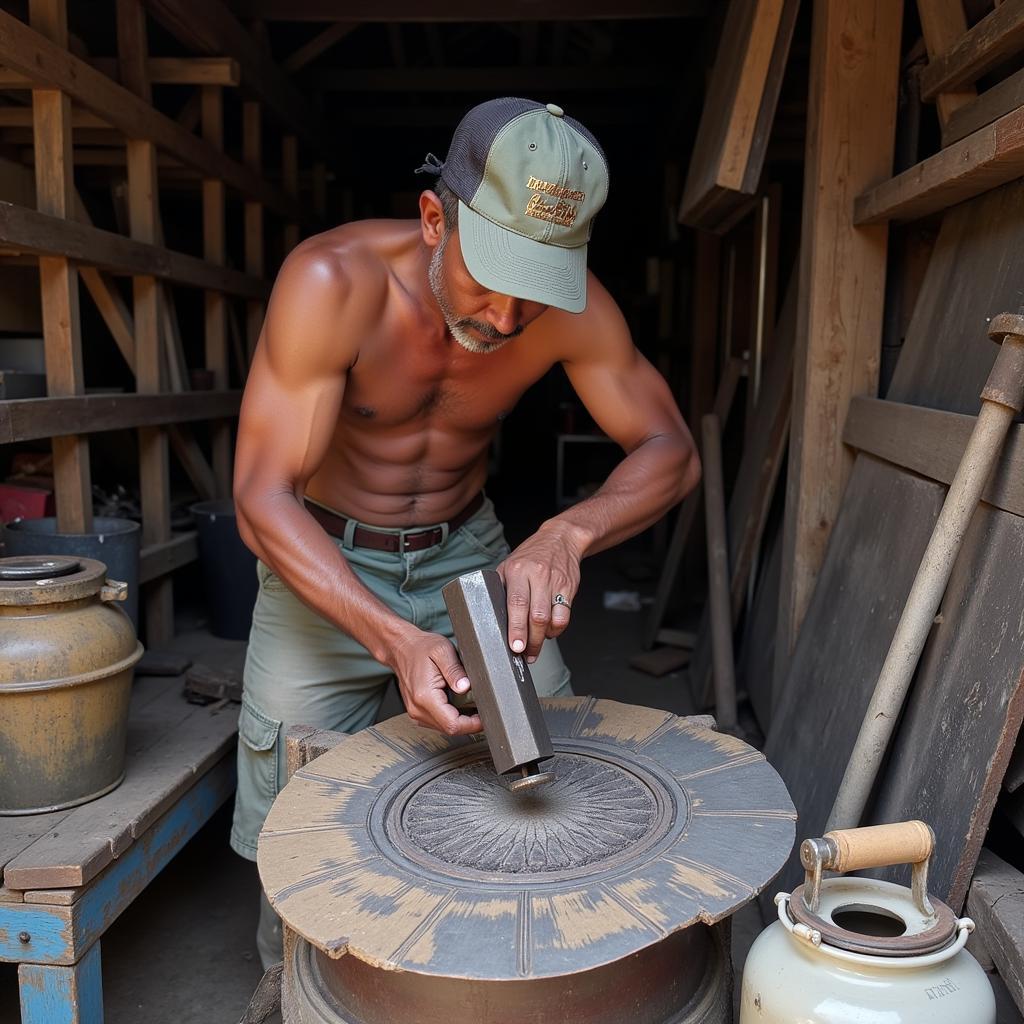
(502, 688)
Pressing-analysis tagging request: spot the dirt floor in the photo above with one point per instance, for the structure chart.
(184, 952)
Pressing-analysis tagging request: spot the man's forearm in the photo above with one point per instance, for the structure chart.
(290, 541)
(640, 490)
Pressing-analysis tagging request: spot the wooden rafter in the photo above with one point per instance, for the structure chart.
(467, 10)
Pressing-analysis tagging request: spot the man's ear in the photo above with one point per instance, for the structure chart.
(431, 218)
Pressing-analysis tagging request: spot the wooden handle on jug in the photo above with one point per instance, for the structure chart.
(877, 846)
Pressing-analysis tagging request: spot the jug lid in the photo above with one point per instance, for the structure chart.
(868, 915)
(48, 579)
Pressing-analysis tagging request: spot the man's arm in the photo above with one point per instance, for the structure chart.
(289, 413)
(632, 404)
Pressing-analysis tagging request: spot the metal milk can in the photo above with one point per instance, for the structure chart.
(67, 654)
(864, 951)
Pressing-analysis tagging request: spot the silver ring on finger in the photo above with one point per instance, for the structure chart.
(560, 599)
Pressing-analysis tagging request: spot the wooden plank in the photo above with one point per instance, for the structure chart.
(466, 10)
(318, 45)
(95, 834)
(985, 159)
(160, 559)
(739, 109)
(62, 339)
(961, 719)
(61, 934)
(252, 148)
(932, 442)
(21, 117)
(28, 52)
(991, 105)
(944, 24)
(755, 484)
(25, 230)
(144, 222)
(193, 71)
(996, 905)
(30, 419)
(851, 129)
(873, 554)
(215, 319)
(21, 831)
(997, 37)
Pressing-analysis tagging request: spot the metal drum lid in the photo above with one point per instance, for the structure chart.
(48, 579)
(402, 847)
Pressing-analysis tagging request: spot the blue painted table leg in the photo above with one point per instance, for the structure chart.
(62, 995)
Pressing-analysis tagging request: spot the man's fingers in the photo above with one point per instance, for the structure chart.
(446, 658)
(560, 615)
(540, 618)
(451, 723)
(518, 601)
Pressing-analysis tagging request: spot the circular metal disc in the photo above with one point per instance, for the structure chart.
(403, 847)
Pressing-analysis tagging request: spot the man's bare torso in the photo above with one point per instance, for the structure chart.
(419, 411)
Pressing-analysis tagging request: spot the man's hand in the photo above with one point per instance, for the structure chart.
(546, 564)
(425, 663)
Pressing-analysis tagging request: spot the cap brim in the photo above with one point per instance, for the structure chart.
(505, 262)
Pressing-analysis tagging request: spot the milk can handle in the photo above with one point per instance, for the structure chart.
(876, 846)
(114, 590)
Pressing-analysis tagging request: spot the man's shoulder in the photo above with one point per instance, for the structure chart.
(349, 257)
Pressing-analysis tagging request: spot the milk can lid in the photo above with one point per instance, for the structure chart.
(48, 579)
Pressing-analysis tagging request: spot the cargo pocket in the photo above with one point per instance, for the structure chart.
(259, 734)
(269, 580)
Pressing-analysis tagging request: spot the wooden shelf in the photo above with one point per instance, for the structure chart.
(31, 419)
(25, 230)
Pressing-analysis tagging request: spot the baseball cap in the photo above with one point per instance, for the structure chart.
(530, 182)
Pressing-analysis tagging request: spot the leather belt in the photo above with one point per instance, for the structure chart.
(393, 540)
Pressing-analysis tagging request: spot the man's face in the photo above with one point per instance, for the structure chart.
(479, 320)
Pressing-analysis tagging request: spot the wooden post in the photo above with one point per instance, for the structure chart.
(704, 339)
(216, 305)
(290, 180)
(252, 148)
(855, 52)
(62, 339)
(143, 218)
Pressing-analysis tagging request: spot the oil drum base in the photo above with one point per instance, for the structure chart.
(710, 1002)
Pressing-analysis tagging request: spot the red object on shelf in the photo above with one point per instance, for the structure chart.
(17, 502)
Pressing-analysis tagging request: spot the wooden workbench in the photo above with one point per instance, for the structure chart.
(68, 875)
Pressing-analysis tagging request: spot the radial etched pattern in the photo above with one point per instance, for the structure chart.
(592, 810)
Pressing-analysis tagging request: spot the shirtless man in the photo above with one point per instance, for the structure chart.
(390, 352)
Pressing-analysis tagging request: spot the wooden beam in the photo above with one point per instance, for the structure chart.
(30, 419)
(144, 221)
(252, 148)
(987, 158)
(214, 251)
(318, 45)
(944, 24)
(931, 442)
(514, 79)
(161, 70)
(212, 28)
(62, 339)
(24, 230)
(467, 10)
(851, 133)
(991, 105)
(31, 54)
(997, 37)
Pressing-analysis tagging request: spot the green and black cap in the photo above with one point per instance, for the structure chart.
(530, 182)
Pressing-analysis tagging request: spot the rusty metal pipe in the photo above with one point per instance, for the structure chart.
(1001, 400)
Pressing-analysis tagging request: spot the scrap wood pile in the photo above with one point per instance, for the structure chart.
(951, 760)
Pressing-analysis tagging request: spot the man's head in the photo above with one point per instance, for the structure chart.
(519, 189)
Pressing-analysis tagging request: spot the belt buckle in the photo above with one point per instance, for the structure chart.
(405, 536)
